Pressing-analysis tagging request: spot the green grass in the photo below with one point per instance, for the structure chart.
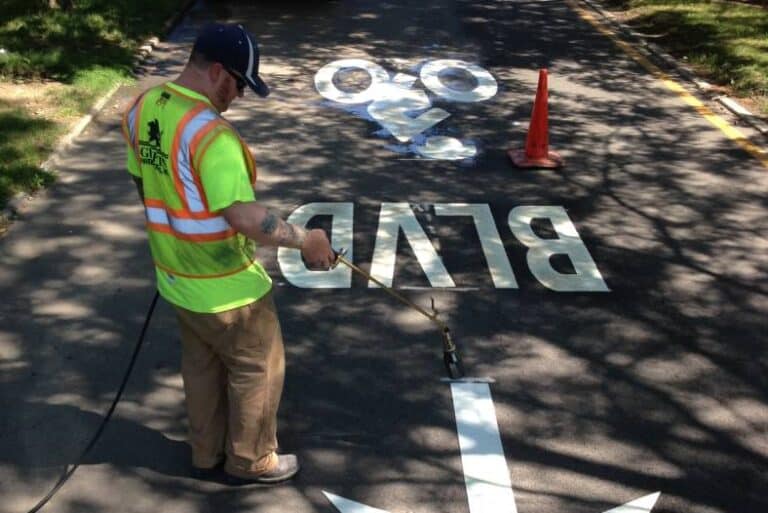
(726, 41)
(89, 48)
(86, 87)
(24, 144)
(51, 43)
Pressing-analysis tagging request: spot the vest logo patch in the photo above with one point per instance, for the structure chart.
(151, 152)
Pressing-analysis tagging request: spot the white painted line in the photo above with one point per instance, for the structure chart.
(348, 506)
(489, 487)
(641, 505)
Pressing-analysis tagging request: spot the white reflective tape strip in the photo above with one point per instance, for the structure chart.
(193, 194)
(157, 216)
(199, 226)
(187, 226)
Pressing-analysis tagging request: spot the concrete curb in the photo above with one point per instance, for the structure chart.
(13, 208)
(654, 51)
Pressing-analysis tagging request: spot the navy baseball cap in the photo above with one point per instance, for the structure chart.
(235, 49)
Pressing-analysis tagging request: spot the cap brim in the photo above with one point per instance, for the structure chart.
(258, 86)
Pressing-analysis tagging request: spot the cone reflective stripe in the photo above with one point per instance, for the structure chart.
(536, 152)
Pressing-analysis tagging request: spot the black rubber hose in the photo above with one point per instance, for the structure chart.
(68, 472)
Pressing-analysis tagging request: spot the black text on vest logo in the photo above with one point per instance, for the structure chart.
(150, 151)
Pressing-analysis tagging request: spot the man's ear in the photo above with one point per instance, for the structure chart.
(214, 72)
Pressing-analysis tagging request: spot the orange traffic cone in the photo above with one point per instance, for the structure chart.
(536, 153)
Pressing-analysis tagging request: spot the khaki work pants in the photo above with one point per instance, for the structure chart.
(233, 366)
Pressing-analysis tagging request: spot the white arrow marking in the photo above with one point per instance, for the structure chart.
(641, 505)
(489, 488)
(348, 506)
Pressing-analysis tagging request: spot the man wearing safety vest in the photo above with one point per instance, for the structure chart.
(196, 178)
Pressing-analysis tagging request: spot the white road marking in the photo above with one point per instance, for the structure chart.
(328, 90)
(342, 234)
(642, 505)
(486, 476)
(393, 218)
(348, 506)
(587, 277)
(392, 103)
(451, 289)
(441, 147)
(396, 105)
(486, 85)
(490, 240)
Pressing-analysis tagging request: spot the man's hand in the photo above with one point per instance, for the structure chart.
(257, 223)
(317, 251)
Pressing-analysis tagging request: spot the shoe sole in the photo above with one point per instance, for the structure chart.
(240, 481)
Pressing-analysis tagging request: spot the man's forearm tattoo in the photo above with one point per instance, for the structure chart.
(285, 234)
(269, 224)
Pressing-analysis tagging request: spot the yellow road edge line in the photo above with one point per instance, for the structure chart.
(730, 131)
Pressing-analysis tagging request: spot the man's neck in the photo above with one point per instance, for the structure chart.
(191, 81)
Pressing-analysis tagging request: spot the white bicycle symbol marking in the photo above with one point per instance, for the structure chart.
(391, 99)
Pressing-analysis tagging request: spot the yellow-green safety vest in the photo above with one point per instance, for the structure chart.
(169, 133)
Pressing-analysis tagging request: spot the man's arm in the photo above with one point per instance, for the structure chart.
(258, 223)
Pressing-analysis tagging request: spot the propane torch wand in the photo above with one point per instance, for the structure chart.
(451, 358)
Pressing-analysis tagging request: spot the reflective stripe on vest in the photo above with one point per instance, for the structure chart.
(185, 237)
(186, 216)
(193, 126)
(198, 230)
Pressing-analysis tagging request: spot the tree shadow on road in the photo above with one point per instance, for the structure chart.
(658, 385)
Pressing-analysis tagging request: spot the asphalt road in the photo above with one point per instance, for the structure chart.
(617, 305)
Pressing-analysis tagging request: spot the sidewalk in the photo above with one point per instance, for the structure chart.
(77, 281)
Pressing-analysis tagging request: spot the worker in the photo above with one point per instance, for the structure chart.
(196, 178)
